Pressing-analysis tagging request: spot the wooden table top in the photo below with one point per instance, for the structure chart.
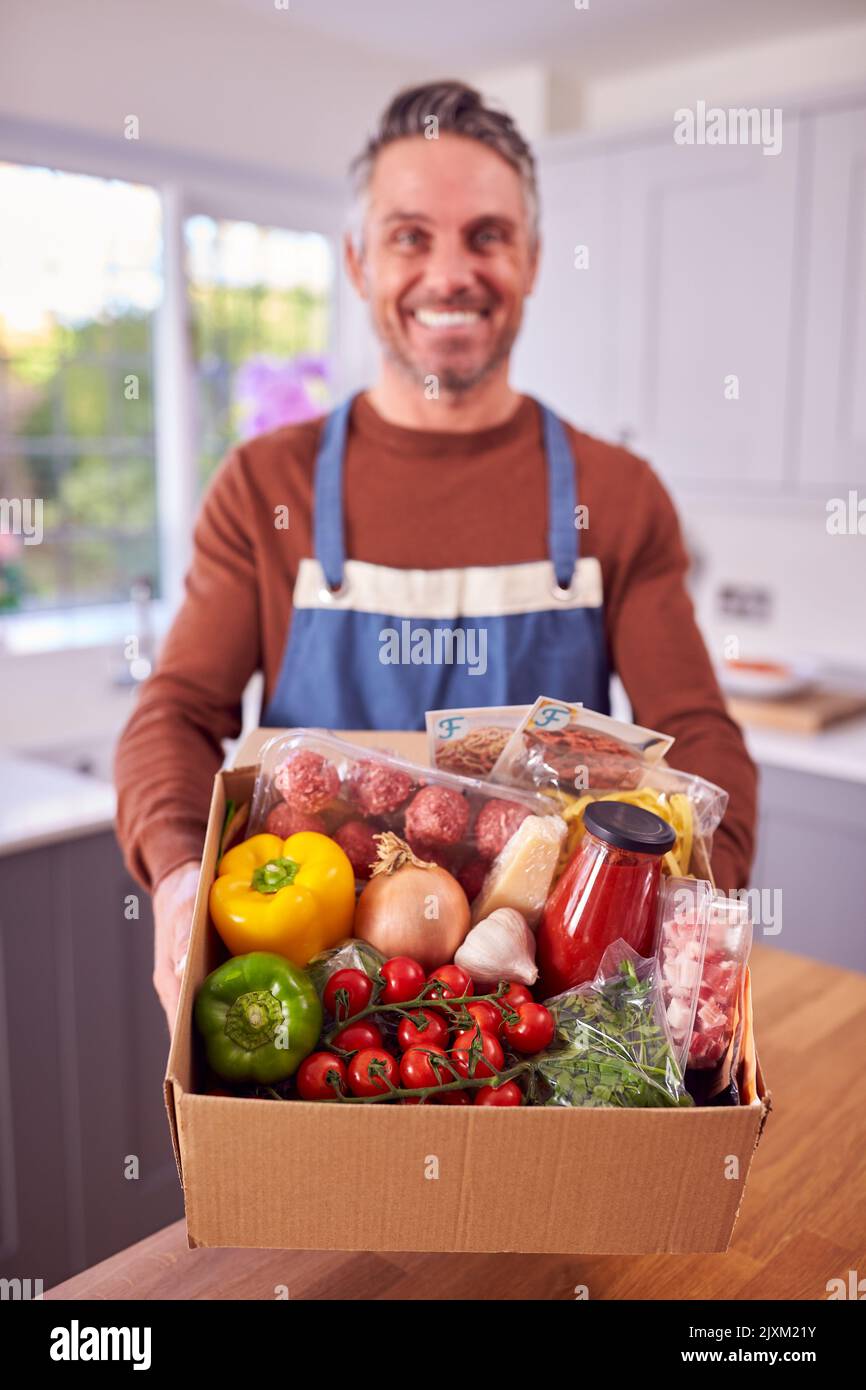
(802, 1222)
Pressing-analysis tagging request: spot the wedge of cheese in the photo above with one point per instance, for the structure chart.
(521, 875)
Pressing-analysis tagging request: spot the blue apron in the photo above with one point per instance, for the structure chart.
(374, 647)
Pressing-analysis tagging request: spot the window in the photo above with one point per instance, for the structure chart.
(260, 300)
(80, 281)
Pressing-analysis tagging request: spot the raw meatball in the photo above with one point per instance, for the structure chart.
(357, 839)
(437, 816)
(285, 820)
(378, 789)
(496, 823)
(307, 781)
(471, 877)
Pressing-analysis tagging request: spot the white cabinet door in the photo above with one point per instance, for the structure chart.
(563, 354)
(704, 309)
(833, 438)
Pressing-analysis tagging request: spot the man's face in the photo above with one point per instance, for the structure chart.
(447, 258)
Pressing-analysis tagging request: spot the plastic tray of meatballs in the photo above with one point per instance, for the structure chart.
(311, 780)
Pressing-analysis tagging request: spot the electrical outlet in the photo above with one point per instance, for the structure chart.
(748, 601)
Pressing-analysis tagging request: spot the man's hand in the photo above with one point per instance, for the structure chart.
(172, 922)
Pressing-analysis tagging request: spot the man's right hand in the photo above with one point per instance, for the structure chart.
(173, 903)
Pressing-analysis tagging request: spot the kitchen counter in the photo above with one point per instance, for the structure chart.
(43, 804)
(839, 751)
(801, 1222)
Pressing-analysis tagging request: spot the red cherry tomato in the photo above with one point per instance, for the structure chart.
(516, 995)
(435, 1034)
(416, 1068)
(356, 1036)
(454, 1098)
(533, 1030)
(404, 979)
(313, 1073)
(365, 1068)
(453, 982)
(358, 988)
(486, 1015)
(491, 1056)
(509, 1093)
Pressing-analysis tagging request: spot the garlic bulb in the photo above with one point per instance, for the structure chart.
(501, 947)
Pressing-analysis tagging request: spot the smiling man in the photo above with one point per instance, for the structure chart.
(433, 556)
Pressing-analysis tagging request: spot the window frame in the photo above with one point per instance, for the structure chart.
(187, 184)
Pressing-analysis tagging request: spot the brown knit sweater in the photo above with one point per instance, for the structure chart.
(414, 499)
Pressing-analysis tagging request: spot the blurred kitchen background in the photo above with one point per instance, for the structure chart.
(173, 196)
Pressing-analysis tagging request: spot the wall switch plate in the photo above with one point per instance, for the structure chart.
(752, 602)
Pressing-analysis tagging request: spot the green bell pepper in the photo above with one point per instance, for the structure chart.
(259, 1016)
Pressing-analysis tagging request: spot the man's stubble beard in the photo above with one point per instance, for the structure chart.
(447, 379)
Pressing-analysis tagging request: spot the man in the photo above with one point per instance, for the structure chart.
(439, 505)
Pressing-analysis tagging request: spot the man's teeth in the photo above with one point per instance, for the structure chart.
(446, 318)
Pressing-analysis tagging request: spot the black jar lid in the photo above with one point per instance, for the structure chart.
(629, 827)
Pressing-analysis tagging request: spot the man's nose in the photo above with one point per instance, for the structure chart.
(448, 269)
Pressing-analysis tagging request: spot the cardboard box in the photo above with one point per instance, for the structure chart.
(305, 1176)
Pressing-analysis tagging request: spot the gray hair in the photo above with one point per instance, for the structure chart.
(445, 107)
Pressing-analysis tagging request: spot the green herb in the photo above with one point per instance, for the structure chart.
(610, 1048)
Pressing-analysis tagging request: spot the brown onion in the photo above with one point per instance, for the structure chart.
(411, 907)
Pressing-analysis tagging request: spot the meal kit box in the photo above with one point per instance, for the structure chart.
(303, 1175)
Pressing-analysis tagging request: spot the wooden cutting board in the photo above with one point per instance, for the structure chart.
(806, 713)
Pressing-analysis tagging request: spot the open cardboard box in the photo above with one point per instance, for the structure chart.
(305, 1176)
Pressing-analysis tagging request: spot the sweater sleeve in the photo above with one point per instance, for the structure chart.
(172, 745)
(660, 656)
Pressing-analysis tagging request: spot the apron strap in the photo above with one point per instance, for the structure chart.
(328, 539)
(562, 534)
(328, 536)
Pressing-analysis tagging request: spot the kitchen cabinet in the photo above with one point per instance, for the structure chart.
(833, 387)
(83, 1044)
(564, 354)
(811, 862)
(704, 307)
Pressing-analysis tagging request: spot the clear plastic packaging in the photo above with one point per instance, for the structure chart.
(312, 780)
(723, 973)
(612, 1045)
(469, 741)
(576, 756)
(683, 923)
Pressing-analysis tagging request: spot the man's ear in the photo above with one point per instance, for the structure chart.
(354, 261)
(534, 262)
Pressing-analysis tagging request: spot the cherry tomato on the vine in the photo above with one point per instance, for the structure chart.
(435, 1034)
(515, 995)
(356, 1036)
(453, 1098)
(452, 982)
(486, 1015)
(369, 1069)
(416, 1068)
(358, 988)
(490, 1058)
(509, 1093)
(404, 979)
(533, 1030)
(313, 1073)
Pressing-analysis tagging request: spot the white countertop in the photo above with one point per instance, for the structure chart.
(839, 751)
(40, 804)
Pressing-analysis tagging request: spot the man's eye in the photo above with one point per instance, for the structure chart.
(486, 236)
(409, 237)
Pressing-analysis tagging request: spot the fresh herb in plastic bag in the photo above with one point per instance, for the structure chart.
(612, 1046)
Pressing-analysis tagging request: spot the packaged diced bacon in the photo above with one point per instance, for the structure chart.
(704, 940)
(311, 779)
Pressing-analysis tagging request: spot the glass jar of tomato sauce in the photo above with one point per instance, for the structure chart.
(608, 891)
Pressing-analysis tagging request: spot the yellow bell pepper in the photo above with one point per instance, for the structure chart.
(295, 897)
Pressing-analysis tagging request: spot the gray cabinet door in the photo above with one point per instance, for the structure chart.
(810, 867)
(85, 1048)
